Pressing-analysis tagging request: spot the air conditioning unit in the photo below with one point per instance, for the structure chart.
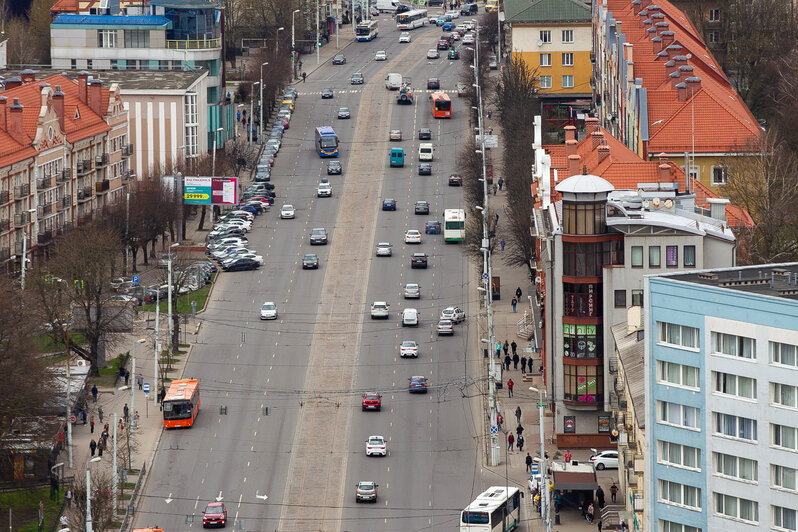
(82, 363)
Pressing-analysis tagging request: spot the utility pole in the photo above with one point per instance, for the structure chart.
(318, 42)
(545, 509)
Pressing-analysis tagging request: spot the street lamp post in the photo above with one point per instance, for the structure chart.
(545, 495)
(318, 53)
(251, 121)
(113, 465)
(88, 492)
(277, 39)
(293, 44)
(169, 296)
(24, 250)
(260, 128)
(133, 367)
(68, 385)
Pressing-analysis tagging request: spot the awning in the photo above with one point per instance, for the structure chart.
(570, 480)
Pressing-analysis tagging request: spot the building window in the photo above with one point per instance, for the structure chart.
(736, 507)
(672, 256)
(735, 467)
(114, 64)
(669, 526)
(581, 341)
(89, 64)
(620, 299)
(637, 298)
(783, 477)
(719, 176)
(137, 38)
(784, 395)
(713, 37)
(73, 64)
(567, 82)
(735, 426)
(654, 260)
(678, 415)
(678, 335)
(545, 36)
(714, 15)
(689, 256)
(695, 172)
(729, 384)
(568, 36)
(192, 125)
(783, 436)
(733, 345)
(587, 259)
(784, 354)
(545, 60)
(784, 518)
(106, 38)
(583, 300)
(678, 374)
(545, 82)
(585, 218)
(678, 455)
(567, 60)
(637, 256)
(679, 494)
(583, 384)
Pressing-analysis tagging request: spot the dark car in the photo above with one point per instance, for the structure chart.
(339, 59)
(455, 180)
(401, 8)
(326, 94)
(389, 204)
(443, 44)
(318, 236)
(433, 83)
(469, 9)
(418, 384)
(424, 169)
(432, 227)
(310, 260)
(418, 260)
(425, 133)
(421, 207)
(453, 54)
(242, 264)
(357, 79)
(334, 167)
(214, 514)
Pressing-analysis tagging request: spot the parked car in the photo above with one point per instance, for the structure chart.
(605, 460)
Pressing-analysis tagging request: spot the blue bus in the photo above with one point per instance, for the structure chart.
(326, 141)
(366, 30)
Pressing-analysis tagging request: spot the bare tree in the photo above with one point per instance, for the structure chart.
(101, 501)
(783, 105)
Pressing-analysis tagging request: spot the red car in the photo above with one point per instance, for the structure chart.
(371, 401)
(214, 514)
(455, 180)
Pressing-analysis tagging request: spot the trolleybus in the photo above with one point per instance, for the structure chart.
(410, 20)
(497, 509)
(366, 30)
(453, 225)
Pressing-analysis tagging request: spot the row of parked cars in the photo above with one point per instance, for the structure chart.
(186, 277)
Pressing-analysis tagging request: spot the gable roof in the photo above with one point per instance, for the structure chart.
(546, 11)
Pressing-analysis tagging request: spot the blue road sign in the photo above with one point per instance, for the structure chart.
(135, 278)
(146, 387)
(494, 430)
(534, 469)
(485, 276)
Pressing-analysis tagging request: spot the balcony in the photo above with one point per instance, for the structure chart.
(45, 238)
(5, 225)
(102, 186)
(83, 167)
(21, 191)
(64, 203)
(193, 44)
(87, 191)
(127, 151)
(46, 182)
(5, 197)
(83, 196)
(21, 220)
(64, 176)
(18, 247)
(47, 210)
(127, 175)
(5, 254)
(101, 161)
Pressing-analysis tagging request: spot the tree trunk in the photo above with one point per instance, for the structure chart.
(202, 219)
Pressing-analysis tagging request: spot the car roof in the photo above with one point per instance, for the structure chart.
(383, 243)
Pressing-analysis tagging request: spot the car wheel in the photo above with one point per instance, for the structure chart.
(362, 408)
(600, 466)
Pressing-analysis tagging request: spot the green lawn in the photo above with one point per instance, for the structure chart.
(184, 301)
(24, 505)
(43, 343)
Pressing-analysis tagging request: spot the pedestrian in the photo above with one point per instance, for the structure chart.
(68, 497)
(501, 182)
(100, 447)
(100, 414)
(523, 364)
(127, 377)
(121, 425)
(136, 419)
(126, 412)
(590, 513)
(518, 292)
(520, 444)
(299, 63)
(498, 349)
(502, 244)
(510, 385)
(92, 424)
(140, 380)
(83, 414)
(528, 463)
(510, 442)
(506, 347)
(490, 114)
(518, 413)
(599, 525)
(568, 457)
(496, 219)
(514, 302)
(507, 361)
(557, 502)
(624, 527)
(94, 392)
(600, 497)
(495, 188)
(304, 75)
(93, 447)
(519, 430)
(613, 491)
(583, 508)
(499, 420)
(515, 360)
(161, 394)
(513, 346)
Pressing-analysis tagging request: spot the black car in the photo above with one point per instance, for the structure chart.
(318, 235)
(310, 260)
(339, 59)
(326, 94)
(357, 78)
(455, 180)
(421, 207)
(241, 264)
(424, 169)
(334, 168)
(433, 83)
(418, 260)
(425, 133)
(443, 44)
(401, 8)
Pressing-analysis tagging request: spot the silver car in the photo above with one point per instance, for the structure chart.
(366, 491)
(412, 291)
(445, 327)
(384, 249)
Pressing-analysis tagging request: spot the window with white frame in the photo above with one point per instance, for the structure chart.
(736, 507)
(784, 395)
(568, 36)
(679, 494)
(678, 374)
(567, 82)
(735, 467)
(568, 59)
(670, 526)
(783, 354)
(741, 428)
(545, 36)
(714, 15)
(678, 415)
(733, 345)
(678, 335)
(737, 385)
(719, 176)
(545, 60)
(192, 125)
(118, 142)
(783, 436)
(783, 477)
(545, 82)
(784, 518)
(106, 38)
(678, 455)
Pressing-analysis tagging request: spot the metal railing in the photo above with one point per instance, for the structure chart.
(102, 186)
(128, 519)
(5, 197)
(193, 44)
(20, 191)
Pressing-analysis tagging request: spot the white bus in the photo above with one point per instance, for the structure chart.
(366, 30)
(453, 225)
(411, 19)
(498, 509)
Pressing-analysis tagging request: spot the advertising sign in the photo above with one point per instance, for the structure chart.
(569, 424)
(210, 190)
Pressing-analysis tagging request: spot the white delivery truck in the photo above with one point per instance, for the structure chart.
(393, 81)
(387, 5)
(425, 151)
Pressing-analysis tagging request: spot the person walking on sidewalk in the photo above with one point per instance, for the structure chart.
(127, 377)
(518, 414)
(93, 447)
(502, 244)
(68, 497)
(507, 361)
(568, 457)
(501, 182)
(510, 385)
(510, 442)
(100, 414)
(519, 430)
(600, 497)
(599, 525)
(523, 364)
(126, 412)
(514, 302)
(613, 491)
(100, 447)
(498, 349)
(528, 463)
(518, 293)
(304, 75)
(520, 443)
(140, 380)
(92, 424)
(495, 188)
(514, 346)
(506, 347)
(515, 360)
(94, 392)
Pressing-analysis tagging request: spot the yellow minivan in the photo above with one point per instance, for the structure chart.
(491, 5)
(289, 103)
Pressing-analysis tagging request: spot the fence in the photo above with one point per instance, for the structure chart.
(127, 521)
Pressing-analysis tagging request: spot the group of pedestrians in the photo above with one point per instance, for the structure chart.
(99, 446)
(517, 440)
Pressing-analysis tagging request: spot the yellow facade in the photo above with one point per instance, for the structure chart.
(581, 71)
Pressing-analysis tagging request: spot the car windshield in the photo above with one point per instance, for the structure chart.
(343, 110)
(444, 323)
(310, 257)
(213, 509)
(367, 485)
(412, 287)
(269, 306)
(408, 343)
(334, 164)
(317, 232)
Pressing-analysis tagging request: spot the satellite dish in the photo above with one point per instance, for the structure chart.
(540, 42)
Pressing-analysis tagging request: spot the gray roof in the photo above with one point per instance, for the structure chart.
(156, 80)
(631, 355)
(777, 280)
(546, 11)
(584, 184)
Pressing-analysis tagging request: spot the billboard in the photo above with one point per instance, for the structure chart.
(210, 190)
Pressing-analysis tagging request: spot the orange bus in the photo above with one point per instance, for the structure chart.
(181, 403)
(441, 105)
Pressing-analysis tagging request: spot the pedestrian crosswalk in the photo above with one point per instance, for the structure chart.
(357, 91)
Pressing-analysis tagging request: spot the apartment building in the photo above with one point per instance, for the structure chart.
(722, 399)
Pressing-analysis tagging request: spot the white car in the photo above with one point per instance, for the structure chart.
(249, 255)
(380, 309)
(404, 37)
(376, 445)
(409, 348)
(412, 291)
(324, 190)
(380, 56)
(287, 211)
(384, 249)
(412, 236)
(243, 224)
(409, 317)
(433, 54)
(454, 13)
(460, 28)
(605, 460)
(468, 38)
(455, 314)
(268, 311)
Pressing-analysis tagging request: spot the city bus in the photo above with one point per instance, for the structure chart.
(326, 141)
(410, 20)
(453, 225)
(181, 403)
(441, 105)
(497, 509)
(366, 30)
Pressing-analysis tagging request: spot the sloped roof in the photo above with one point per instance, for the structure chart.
(546, 11)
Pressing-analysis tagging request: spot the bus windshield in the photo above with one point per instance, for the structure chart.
(443, 105)
(328, 142)
(363, 29)
(177, 409)
(475, 518)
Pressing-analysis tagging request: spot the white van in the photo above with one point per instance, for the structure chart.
(393, 81)
(387, 5)
(409, 317)
(425, 151)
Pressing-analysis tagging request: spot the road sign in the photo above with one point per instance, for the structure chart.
(494, 429)
(534, 469)
(74, 419)
(146, 387)
(485, 276)
(135, 278)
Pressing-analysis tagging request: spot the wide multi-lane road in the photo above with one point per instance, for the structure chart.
(293, 429)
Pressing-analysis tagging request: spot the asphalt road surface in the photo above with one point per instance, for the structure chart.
(291, 447)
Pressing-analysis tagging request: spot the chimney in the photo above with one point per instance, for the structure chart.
(645, 3)
(682, 88)
(657, 44)
(693, 85)
(570, 147)
(28, 76)
(717, 208)
(15, 122)
(674, 50)
(667, 38)
(603, 152)
(651, 32)
(96, 96)
(643, 17)
(670, 66)
(663, 157)
(664, 173)
(3, 121)
(12, 83)
(661, 26)
(58, 104)
(591, 124)
(570, 133)
(598, 138)
(645, 22)
(83, 79)
(686, 71)
(636, 7)
(573, 164)
(674, 78)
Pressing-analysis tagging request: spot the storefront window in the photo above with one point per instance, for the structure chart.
(581, 341)
(583, 384)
